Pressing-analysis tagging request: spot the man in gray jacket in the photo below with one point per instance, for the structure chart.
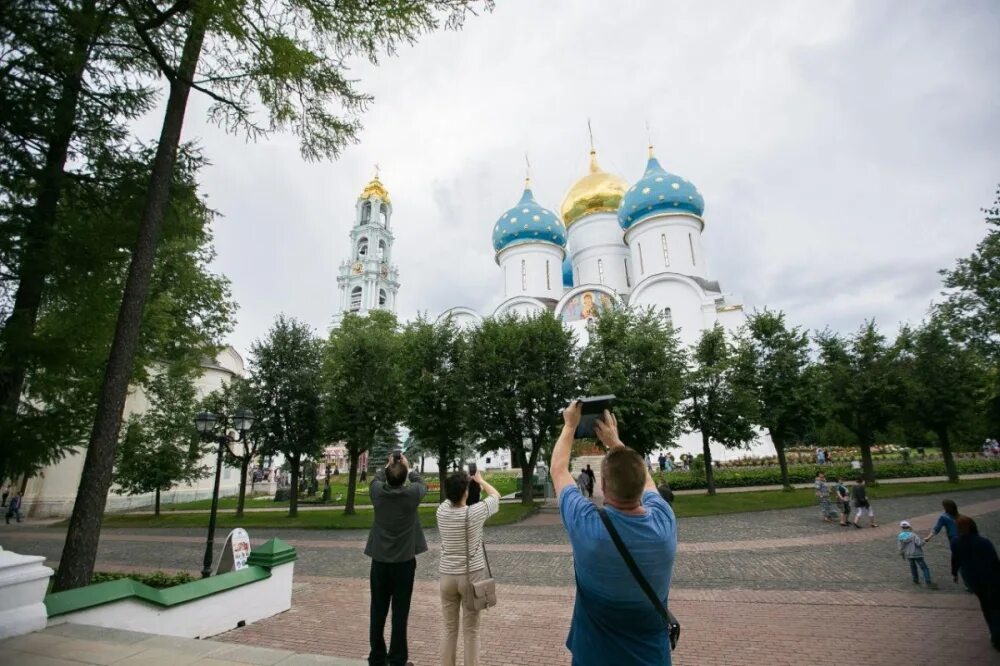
(394, 542)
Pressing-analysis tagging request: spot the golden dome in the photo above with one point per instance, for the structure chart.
(597, 192)
(375, 188)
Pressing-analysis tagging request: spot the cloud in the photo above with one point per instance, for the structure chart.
(843, 149)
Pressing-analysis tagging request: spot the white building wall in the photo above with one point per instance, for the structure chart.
(598, 253)
(684, 254)
(532, 269)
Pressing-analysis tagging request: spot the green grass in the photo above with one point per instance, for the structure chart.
(504, 483)
(686, 506)
(332, 519)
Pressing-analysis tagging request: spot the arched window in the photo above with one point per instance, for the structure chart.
(691, 245)
(355, 299)
(366, 212)
(383, 219)
(668, 315)
(524, 275)
(362, 248)
(600, 270)
(642, 265)
(548, 282)
(382, 297)
(666, 254)
(381, 249)
(628, 282)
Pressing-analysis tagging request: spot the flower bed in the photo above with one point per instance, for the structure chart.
(729, 477)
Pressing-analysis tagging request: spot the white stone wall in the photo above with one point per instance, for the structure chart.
(684, 253)
(598, 253)
(542, 270)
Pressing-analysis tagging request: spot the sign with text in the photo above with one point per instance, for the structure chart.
(235, 552)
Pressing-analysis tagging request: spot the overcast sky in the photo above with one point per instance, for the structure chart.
(844, 150)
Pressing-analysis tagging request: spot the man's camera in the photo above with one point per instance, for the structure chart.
(591, 410)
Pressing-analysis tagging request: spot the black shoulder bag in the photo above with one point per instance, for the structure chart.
(673, 626)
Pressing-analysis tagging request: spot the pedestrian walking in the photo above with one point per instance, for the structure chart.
(394, 542)
(14, 508)
(912, 551)
(591, 480)
(820, 456)
(946, 521)
(843, 501)
(623, 555)
(826, 510)
(6, 492)
(861, 504)
(463, 562)
(663, 462)
(975, 557)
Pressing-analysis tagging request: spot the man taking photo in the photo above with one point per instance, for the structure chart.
(614, 621)
(394, 542)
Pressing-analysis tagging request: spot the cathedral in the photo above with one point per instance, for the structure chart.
(611, 245)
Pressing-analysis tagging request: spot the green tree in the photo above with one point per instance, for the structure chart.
(785, 383)
(238, 393)
(189, 309)
(285, 379)
(361, 387)
(255, 56)
(637, 357)
(720, 401)
(434, 394)
(160, 447)
(944, 384)
(861, 385)
(521, 373)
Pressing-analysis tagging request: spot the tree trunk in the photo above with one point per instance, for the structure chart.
(867, 464)
(442, 475)
(709, 473)
(352, 481)
(244, 464)
(156, 510)
(779, 447)
(77, 562)
(293, 492)
(949, 460)
(19, 329)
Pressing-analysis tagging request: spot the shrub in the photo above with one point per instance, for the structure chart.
(735, 477)
(157, 579)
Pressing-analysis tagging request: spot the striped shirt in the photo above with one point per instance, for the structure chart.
(451, 528)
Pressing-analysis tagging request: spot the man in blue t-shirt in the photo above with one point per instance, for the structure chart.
(614, 622)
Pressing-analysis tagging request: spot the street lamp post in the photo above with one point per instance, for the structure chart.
(206, 423)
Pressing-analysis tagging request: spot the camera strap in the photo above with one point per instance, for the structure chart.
(673, 626)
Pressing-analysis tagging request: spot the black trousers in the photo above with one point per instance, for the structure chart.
(391, 585)
(989, 602)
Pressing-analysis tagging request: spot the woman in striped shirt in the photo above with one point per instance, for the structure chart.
(461, 530)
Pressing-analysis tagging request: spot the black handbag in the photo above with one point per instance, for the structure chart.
(673, 626)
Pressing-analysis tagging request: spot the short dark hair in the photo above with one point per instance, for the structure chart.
(624, 473)
(395, 473)
(455, 486)
(666, 493)
(950, 507)
(966, 526)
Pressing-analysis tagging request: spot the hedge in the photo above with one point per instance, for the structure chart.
(770, 476)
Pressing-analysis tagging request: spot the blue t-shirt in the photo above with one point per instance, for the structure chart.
(948, 523)
(613, 620)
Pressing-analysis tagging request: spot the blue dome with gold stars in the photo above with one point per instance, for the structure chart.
(658, 192)
(528, 222)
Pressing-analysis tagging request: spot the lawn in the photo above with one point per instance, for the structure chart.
(504, 483)
(327, 519)
(686, 506)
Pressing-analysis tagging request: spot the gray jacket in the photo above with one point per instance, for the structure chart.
(396, 535)
(911, 546)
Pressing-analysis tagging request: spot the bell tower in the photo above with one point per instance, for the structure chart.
(368, 280)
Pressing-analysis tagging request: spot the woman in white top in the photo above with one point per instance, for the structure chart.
(461, 531)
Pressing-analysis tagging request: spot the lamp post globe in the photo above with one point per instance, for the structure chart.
(205, 422)
(243, 419)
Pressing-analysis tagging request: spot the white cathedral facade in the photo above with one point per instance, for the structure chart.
(612, 245)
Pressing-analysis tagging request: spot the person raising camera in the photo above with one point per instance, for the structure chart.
(614, 621)
(394, 542)
(463, 561)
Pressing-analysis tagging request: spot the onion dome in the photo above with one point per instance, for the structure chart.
(596, 192)
(375, 188)
(567, 270)
(659, 192)
(528, 222)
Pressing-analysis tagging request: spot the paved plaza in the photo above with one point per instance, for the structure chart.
(776, 587)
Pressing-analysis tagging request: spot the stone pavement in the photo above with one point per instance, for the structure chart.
(775, 587)
(75, 644)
